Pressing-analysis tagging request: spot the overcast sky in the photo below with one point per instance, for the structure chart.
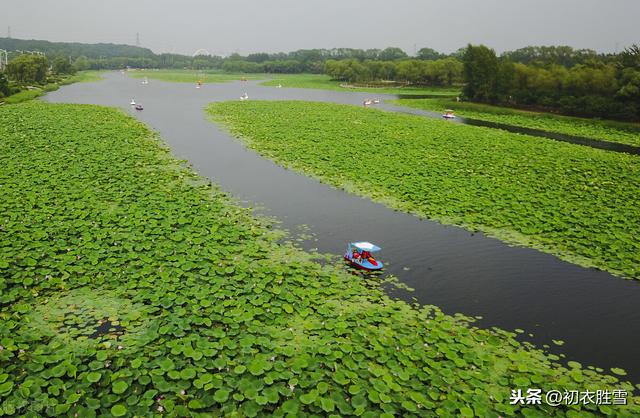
(245, 26)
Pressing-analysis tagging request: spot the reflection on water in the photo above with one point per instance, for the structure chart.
(595, 314)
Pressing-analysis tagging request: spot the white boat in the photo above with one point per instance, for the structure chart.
(376, 101)
(448, 114)
(133, 102)
(245, 96)
(279, 86)
(145, 81)
(368, 102)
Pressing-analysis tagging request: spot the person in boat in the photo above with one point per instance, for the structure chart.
(355, 255)
(366, 255)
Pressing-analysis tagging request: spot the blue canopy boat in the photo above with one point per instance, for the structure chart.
(359, 255)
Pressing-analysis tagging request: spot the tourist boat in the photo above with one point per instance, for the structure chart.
(133, 102)
(199, 84)
(145, 81)
(139, 107)
(359, 255)
(368, 102)
(245, 96)
(448, 114)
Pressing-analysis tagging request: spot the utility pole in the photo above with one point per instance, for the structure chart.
(137, 38)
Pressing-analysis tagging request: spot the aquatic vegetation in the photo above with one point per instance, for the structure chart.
(192, 76)
(576, 202)
(624, 133)
(209, 314)
(23, 96)
(26, 95)
(324, 82)
(89, 76)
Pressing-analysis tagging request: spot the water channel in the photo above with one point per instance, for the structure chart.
(595, 313)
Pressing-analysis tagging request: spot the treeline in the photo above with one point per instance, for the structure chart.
(75, 49)
(28, 70)
(606, 86)
(439, 72)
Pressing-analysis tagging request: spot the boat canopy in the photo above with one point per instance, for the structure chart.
(365, 246)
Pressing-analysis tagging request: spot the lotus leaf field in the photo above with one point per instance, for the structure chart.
(624, 133)
(131, 287)
(576, 202)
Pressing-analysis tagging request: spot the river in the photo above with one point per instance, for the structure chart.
(594, 313)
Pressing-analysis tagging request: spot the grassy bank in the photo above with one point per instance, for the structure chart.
(83, 77)
(192, 76)
(324, 82)
(624, 133)
(573, 201)
(131, 287)
(54, 84)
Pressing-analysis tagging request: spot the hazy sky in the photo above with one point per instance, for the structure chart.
(245, 26)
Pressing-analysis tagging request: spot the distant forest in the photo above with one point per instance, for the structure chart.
(579, 82)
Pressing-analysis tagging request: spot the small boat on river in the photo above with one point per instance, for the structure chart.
(133, 102)
(139, 107)
(359, 255)
(245, 96)
(448, 114)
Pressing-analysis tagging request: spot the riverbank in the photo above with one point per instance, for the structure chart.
(557, 197)
(132, 286)
(192, 76)
(624, 133)
(324, 82)
(37, 91)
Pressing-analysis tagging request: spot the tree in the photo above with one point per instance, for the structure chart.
(392, 54)
(82, 63)
(61, 65)
(429, 54)
(481, 72)
(28, 68)
(4, 85)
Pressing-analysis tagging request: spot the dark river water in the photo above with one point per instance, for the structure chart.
(596, 314)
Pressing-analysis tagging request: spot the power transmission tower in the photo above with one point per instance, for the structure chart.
(137, 38)
(9, 32)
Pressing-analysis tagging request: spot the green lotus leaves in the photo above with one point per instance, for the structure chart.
(110, 319)
(221, 395)
(94, 377)
(624, 133)
(573, 201)
(119, 387)
(619, 372)
(118, 410)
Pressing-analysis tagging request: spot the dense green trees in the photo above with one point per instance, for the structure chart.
(480, 73)
(429, 54)
(442, 72)
(62, 65)
(28, 68)
(557, 78)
